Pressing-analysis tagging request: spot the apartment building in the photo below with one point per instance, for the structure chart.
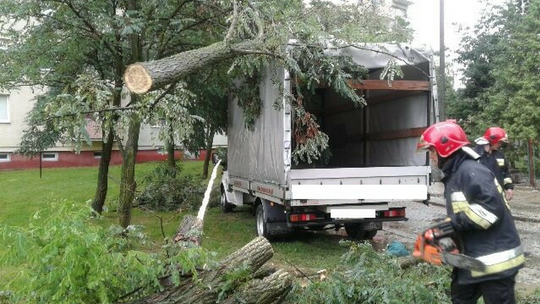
(14, 107)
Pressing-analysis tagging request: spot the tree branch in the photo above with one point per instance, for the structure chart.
(90, 26)
(370, 50)
(233, 23)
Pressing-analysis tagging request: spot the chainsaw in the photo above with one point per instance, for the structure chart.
(436, 246)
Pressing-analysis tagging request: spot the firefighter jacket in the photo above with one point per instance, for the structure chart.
(496, 162)
(481, 217)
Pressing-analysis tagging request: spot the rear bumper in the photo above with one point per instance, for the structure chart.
(343, 222)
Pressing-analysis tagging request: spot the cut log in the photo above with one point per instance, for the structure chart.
(206, 289)
(266, 291)
(142, 77)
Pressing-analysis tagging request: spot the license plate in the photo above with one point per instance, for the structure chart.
(345, 213)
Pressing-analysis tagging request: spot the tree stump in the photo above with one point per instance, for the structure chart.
(189, 232)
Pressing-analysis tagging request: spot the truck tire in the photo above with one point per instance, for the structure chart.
(358, 231)
(370, 234)
(225, 205)
(261, 223)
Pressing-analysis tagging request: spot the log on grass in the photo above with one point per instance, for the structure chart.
(206, 289)
(269, 290)
(142, 77)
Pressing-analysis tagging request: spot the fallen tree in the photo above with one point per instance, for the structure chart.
(233, 280)
(213, 284)
(142, 77)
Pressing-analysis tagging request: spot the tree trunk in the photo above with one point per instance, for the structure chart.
(129, 155)
(106, 154)
(269, 290)
(103, 174)
(170, 152)
(206, 291)
(127, 182)
(209, 143)
(145, 76)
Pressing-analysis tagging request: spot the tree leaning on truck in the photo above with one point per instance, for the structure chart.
(479, 216)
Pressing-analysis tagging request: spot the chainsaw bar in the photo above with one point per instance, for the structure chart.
(462, 261)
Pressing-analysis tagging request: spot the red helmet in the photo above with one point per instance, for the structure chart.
(495, 134)
(446, 137)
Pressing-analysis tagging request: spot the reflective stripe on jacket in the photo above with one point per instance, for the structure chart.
(481, 218)
(497, 163)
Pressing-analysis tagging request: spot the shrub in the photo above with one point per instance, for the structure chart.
(166, 189)
(66, 258)
(369, 277)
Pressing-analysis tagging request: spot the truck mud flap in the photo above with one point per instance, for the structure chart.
(276, 219)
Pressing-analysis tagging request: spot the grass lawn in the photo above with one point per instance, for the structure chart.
(25, 193)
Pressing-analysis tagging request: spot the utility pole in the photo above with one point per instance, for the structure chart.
(442, 67)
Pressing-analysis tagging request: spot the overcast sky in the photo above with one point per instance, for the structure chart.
(424, 18)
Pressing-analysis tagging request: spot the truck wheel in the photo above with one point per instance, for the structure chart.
(370, 234)
(355, 231)
(262, 226)
(358, 231)
(225, 205)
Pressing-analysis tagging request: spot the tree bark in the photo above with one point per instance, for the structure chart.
(127, 182)
(209, 143)
(206, 290)
(190, 230)
(269, 290)
(142, 77)
(171, 161)
(103, 173)
(106, 154)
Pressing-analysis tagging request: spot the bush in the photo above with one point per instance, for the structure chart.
(369, 277)
(65, 257)
(167, 189)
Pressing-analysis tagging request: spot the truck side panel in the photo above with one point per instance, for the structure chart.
(257, 153)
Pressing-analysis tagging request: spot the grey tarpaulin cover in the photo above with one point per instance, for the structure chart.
(258, 154)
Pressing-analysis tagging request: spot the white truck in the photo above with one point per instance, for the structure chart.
(373, 158)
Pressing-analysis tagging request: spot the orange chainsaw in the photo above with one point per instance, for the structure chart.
(436, 246)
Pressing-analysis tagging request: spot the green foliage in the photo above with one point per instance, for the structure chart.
(367, 277)
(40, 134)
(66, 257)
(233, 279)
(211, 91)
(302, 39)
(501, 72)
(166, 189)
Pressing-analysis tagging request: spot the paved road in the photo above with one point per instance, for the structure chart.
(421, 216)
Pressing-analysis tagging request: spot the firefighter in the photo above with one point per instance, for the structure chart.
(483, 226)
(490, 156)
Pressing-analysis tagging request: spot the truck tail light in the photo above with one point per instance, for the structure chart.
(394, 212)
(303, 217)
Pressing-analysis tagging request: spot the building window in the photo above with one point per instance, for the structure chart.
(5, 157)
(4, 109)
(97, 154)
(49, 156)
